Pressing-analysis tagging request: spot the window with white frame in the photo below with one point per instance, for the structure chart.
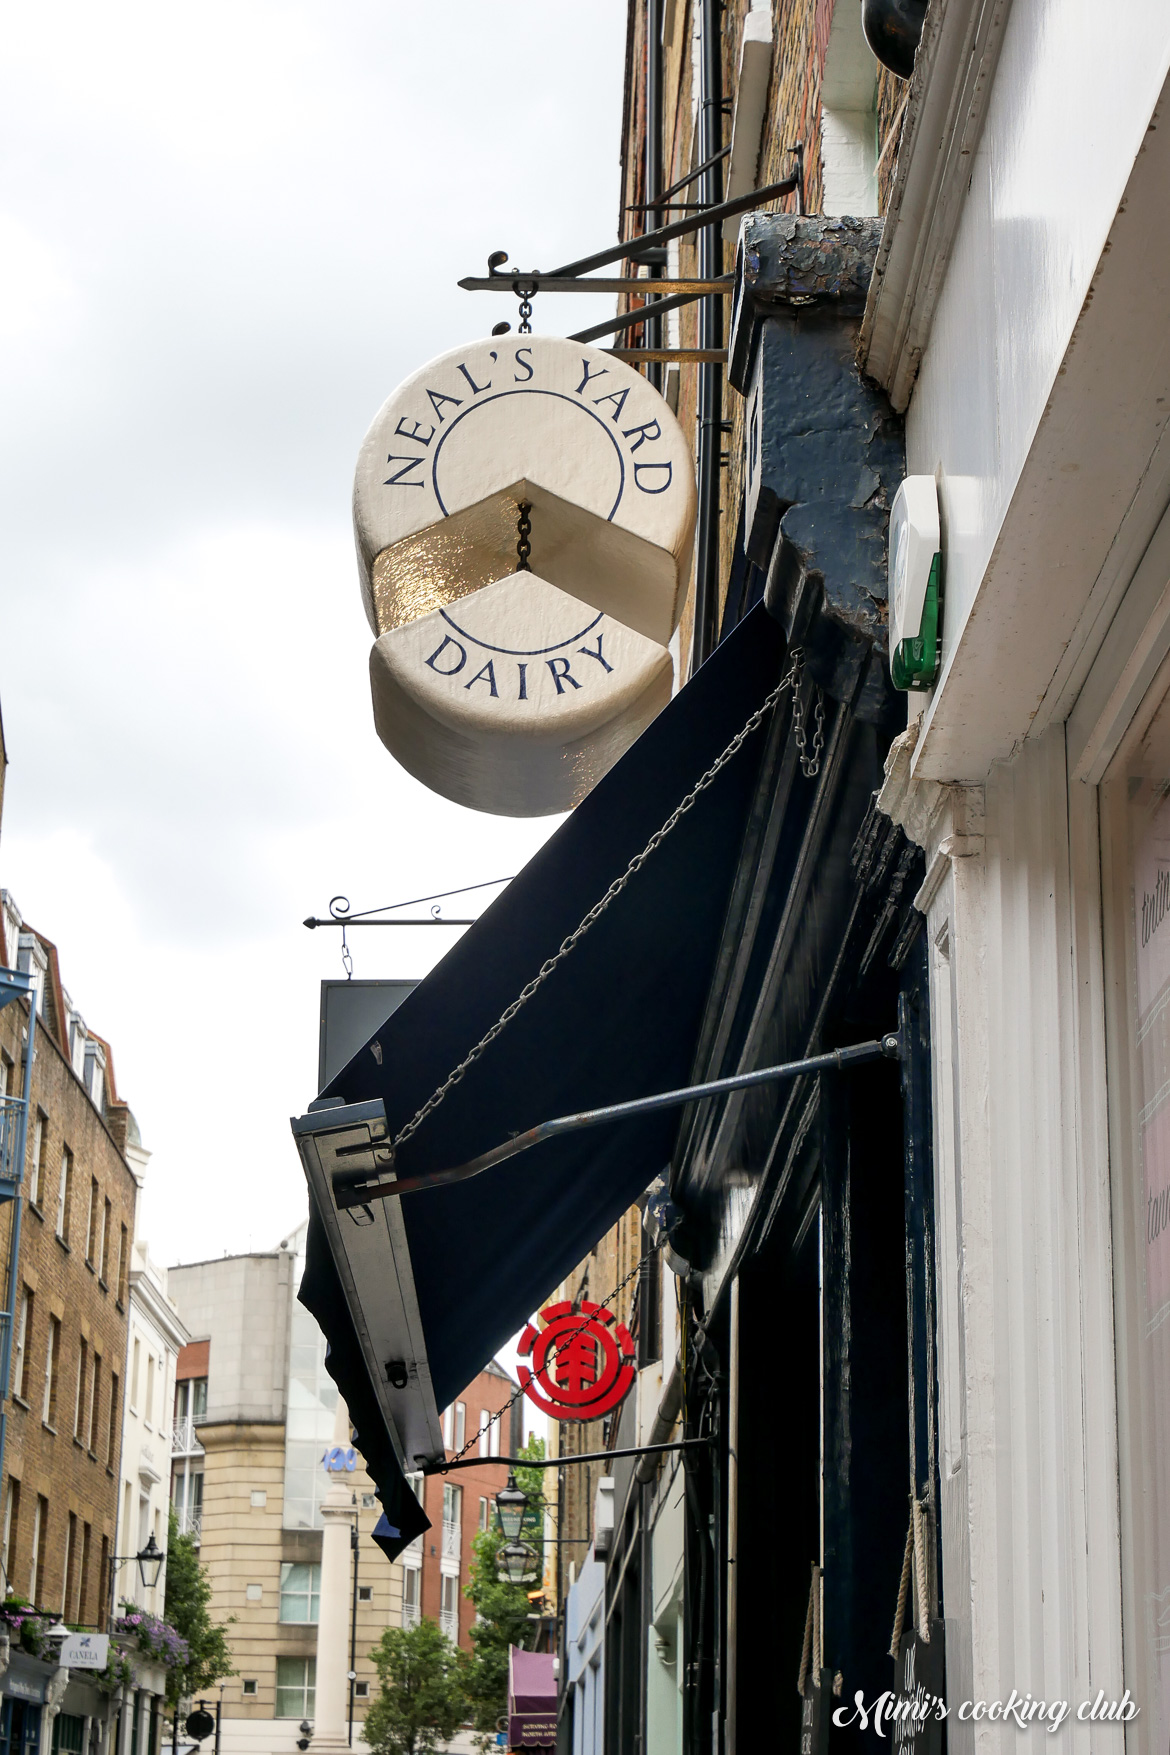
(24, 1330)
(36, 1151)
(300, 1591)
(449, 1606)
(460, 1425)
(484, 1419)
(448, 1428)
(296, 1687)
(63, 1194)
(411, 1595)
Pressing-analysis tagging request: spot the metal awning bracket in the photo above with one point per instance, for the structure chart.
(347, 1194)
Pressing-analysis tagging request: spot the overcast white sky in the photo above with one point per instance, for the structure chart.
(228, 232)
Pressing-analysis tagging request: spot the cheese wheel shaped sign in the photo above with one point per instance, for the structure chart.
(506, 689)
(518, 698)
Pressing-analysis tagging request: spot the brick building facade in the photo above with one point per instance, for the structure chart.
(70, 1305)
(437, 1566)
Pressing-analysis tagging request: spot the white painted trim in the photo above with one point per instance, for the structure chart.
(747, 122)
(945, 109)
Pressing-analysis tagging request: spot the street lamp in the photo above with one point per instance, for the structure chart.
(150, 1562)
(57, 1631)
(518, 1562)
(511, 1504)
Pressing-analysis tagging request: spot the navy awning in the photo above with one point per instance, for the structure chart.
(618, 1019)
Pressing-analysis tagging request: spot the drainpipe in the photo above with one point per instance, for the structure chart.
(17, 1211)
(655, 369)
(710, 336)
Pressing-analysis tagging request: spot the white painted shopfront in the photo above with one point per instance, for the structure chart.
(1025, 278)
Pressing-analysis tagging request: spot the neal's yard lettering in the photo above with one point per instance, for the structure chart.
(645, 435)
(408, 463)
(618, 398)
(476, 388)
(641, 469)
(440, 396)
(416, 432)
(526, 363)
(561, 677)
(589, 376)
(523, 691)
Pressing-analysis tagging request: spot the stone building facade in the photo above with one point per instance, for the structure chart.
(254, 1418)
(71, 1303)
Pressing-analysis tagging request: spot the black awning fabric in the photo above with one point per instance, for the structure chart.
(618, 1019)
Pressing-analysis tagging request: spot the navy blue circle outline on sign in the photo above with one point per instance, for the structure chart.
(520, 651)
(561, 397)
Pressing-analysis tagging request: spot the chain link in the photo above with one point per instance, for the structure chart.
(790, 680)
(525, 314)
(557, 1350)
(810, 763)
(523, 532)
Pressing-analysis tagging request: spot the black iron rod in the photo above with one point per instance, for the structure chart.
(555, 1462)
(631, 319)
(430, 920)
(684, 182)
(601, 283)
(681, 228)
(350, 1193)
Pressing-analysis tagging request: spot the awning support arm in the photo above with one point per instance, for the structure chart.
(555, 1462)
(350, 1190)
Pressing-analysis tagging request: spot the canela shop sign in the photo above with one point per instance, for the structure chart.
(513, 687)
(582, 1361)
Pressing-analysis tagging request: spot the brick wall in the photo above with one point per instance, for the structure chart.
(64, 1424)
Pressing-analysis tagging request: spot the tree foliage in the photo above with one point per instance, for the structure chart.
(188, 1610)
(420, 1704)
(502, 1608)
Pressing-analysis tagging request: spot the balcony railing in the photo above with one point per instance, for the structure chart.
(190, 1520)
(410, 1614)
(184, 1441)
(11, 1110)
(449, 1624)
(452, 1540)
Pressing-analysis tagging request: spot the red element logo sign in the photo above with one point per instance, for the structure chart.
(582, 1361)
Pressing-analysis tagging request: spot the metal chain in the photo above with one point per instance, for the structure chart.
(557, 1350)
(523, 545)
(789, 681)
(810, 764)
(525, 314)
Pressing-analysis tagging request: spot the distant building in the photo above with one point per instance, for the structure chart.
(155, 1339)
(254, 1413)
(437, 1566)
(71, 1305)
(71, 1311)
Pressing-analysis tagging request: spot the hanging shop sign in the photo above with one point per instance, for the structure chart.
(582, 1361)
(523, 511)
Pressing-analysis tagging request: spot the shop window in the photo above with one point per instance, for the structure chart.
(296, 1687)
(1135, 820)
(300, 1588)
(68, 1734)
(20, 1728)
